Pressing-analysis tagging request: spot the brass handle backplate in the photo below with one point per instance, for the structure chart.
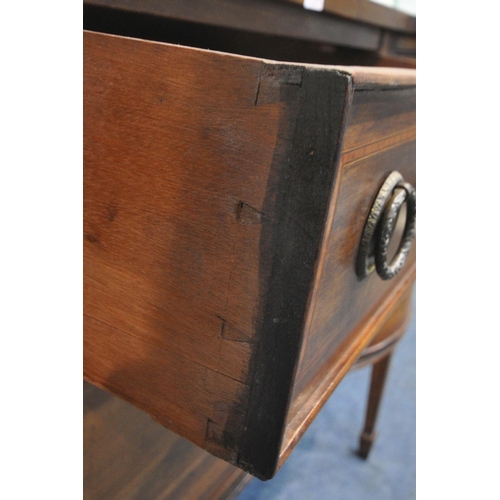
(379, 227)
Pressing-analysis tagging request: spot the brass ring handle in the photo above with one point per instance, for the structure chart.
(379, 226)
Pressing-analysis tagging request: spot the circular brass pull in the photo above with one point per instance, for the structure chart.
(380, 225)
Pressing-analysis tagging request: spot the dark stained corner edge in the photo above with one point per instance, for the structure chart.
(298, 191)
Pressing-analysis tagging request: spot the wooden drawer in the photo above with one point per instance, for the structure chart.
(224, 202)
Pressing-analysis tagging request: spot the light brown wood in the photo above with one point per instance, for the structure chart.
(171, 254)
(152, 332)
(181, 175)
(128, 455)
(221, 229)
(364, 78)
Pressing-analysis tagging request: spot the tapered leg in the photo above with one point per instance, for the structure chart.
(379, 373)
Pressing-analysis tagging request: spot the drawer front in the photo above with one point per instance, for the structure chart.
(214, 186)
(345, 310)
(343, 301)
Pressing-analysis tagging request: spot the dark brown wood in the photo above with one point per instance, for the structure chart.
(389, 334)
(128, 455)
(330, 375)
(377, 384)
(223, 206)
(344, 313)
(339, 295)
(397, 45)
(347, 32)
(266, 17)
(299, 189)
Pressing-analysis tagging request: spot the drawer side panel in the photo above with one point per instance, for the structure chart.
(177, 153)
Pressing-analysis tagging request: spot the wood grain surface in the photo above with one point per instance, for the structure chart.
(367, 158)
(390, 332)
(206, 178)
(128, 455)
(175, 169)
(266, 17)
(353, 32)
(345, 313)
(221, 223)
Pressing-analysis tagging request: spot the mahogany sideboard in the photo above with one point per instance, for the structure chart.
(240, 221)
